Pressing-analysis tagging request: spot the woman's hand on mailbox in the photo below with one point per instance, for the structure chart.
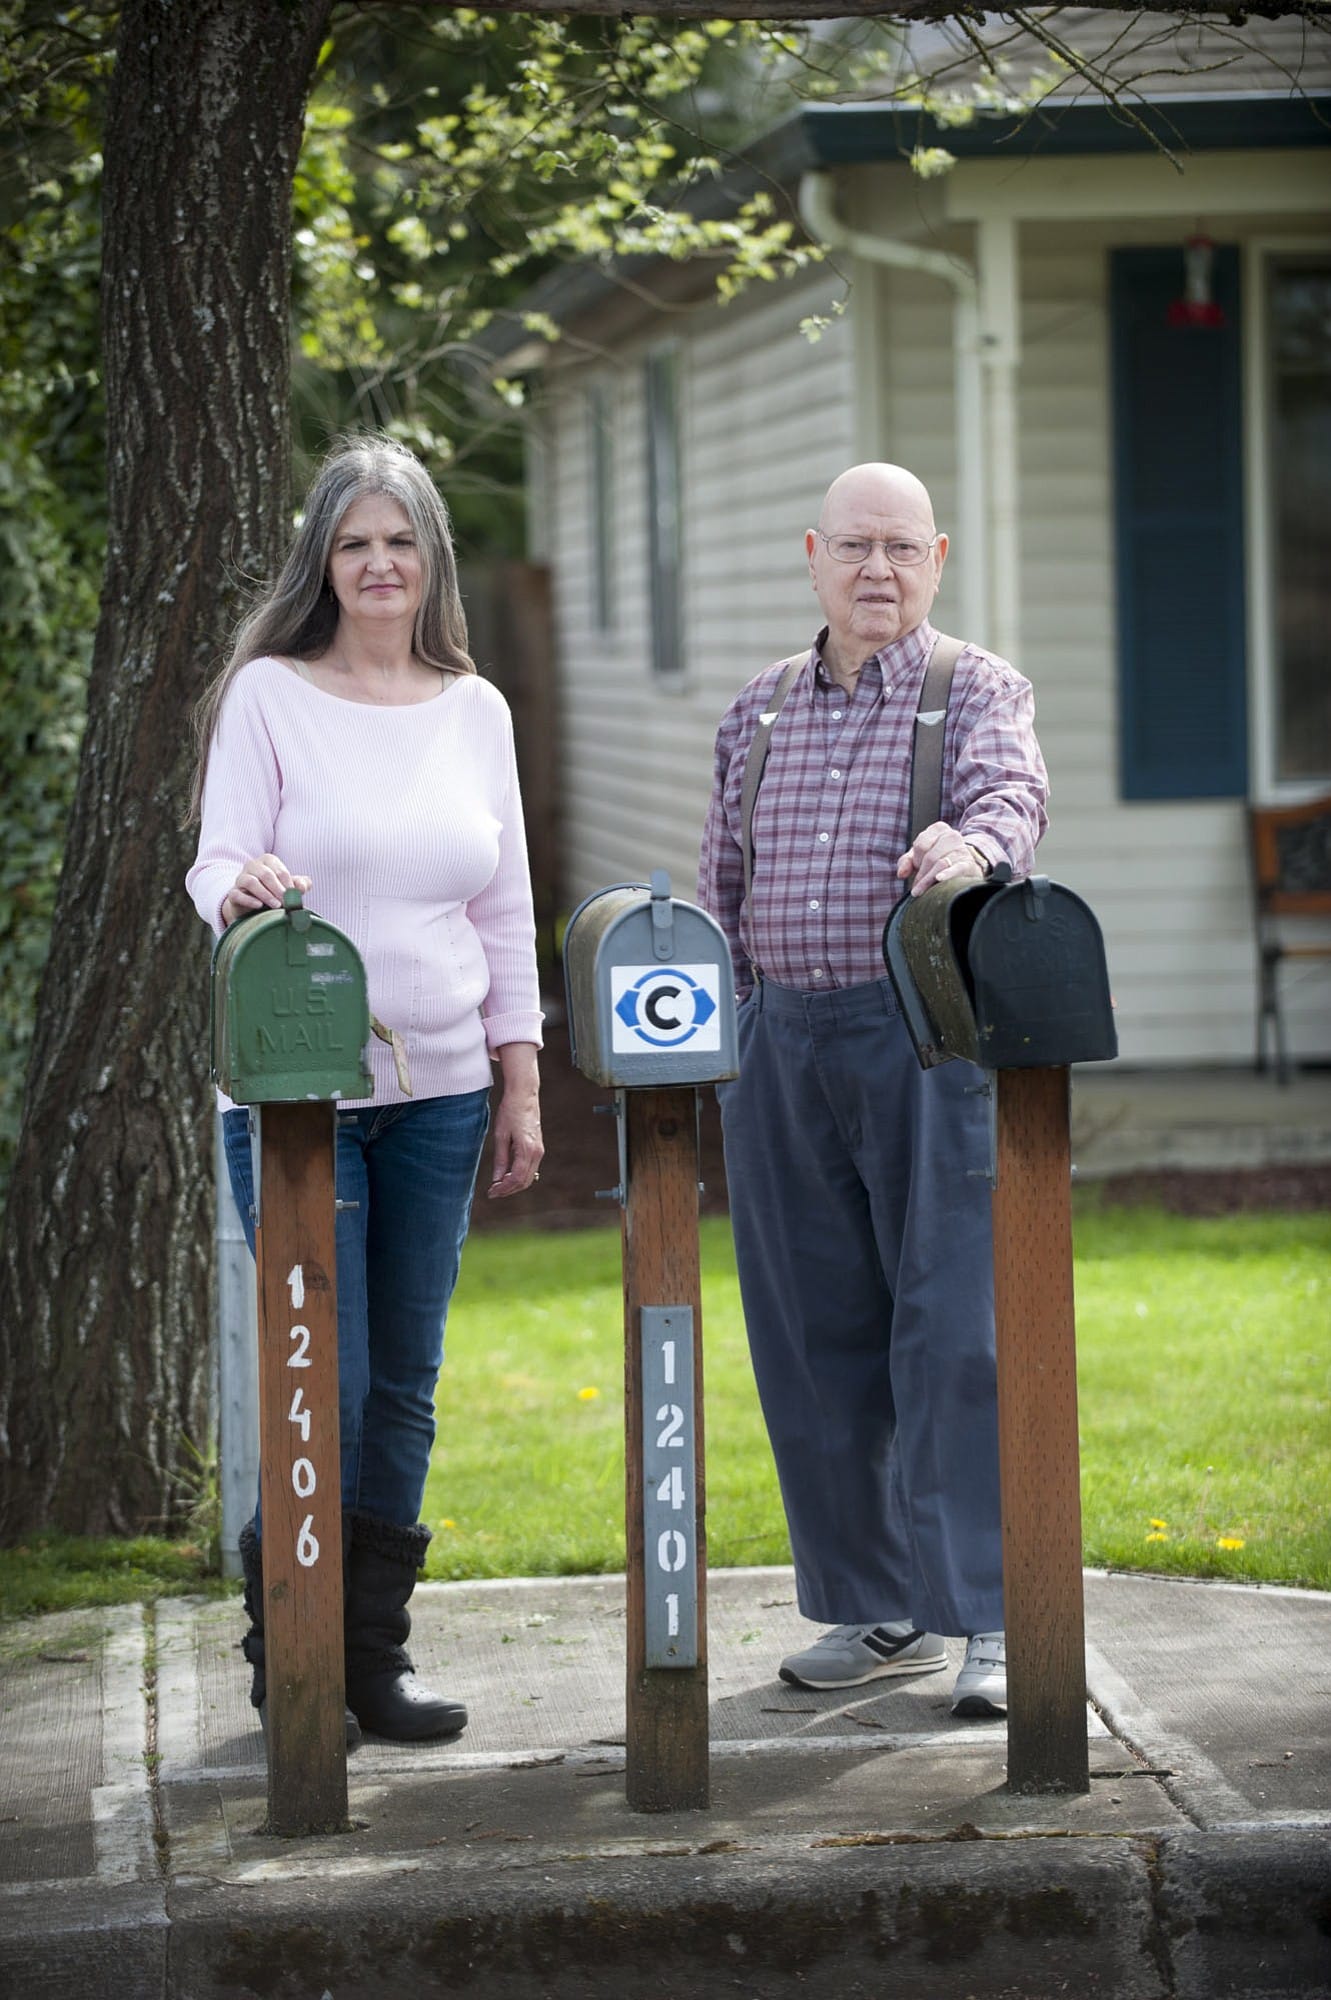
(939, 854)
(518, 1147)
(259, 886)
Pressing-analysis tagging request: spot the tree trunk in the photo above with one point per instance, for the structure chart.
(106, 1256)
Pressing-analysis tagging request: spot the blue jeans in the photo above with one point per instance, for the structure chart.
(411, 1169)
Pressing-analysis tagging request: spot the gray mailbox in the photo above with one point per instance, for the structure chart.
(651, 989)
(1010, 975)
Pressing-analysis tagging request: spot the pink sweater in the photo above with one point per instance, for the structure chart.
(409, 824)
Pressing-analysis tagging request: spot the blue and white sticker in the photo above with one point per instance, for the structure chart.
(665, 1007)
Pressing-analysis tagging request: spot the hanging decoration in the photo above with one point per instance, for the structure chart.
(1196, 306)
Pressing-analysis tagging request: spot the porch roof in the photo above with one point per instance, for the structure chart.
(1182, 88)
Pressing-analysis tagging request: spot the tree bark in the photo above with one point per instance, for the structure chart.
(106, 1255)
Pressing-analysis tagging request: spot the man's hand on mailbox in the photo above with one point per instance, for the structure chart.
(259, 886)
(939, 854)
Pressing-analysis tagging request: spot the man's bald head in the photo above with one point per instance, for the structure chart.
(877, 488)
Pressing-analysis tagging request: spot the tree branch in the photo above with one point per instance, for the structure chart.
(1314, 11)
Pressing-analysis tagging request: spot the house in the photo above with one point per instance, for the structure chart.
(1103, 338)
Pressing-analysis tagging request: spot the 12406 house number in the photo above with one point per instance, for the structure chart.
(304, 1478)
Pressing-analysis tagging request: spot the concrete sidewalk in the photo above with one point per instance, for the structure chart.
(860, 1844)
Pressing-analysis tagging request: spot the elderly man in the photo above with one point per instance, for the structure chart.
(858, 1196)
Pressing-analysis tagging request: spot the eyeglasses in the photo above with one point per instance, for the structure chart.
(903, 552)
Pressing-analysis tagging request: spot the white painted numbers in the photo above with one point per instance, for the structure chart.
(672, 1551)
(304, 1478)
(672, 1437)
(669, 1502)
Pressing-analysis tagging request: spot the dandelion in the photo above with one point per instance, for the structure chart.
(1229, 1541)
(1153, 1537)
(1159, 1524)
(448, 1524)
(588, 1395)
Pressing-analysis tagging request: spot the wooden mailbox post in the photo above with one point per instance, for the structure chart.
(290, 1019)
(1039, 1463)
(300, 1469)
(667, 1751)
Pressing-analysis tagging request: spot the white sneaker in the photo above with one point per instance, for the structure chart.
(849, 1655)
(981, 1687)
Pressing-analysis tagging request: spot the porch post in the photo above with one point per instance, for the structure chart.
(998, 257)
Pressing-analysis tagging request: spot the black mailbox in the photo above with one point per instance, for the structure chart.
(1009, 975)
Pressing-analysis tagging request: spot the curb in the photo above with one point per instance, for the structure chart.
(1184, 1917)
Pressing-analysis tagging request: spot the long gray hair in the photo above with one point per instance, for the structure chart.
(297, 616)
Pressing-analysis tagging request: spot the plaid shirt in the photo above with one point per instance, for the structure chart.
(831, 818)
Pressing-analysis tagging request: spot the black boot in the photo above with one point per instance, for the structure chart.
(382, 1561)
(252, 1645)
(251, 1562)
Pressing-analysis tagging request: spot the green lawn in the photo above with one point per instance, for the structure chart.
(1205, 1368)
(528, 1471)
(1205, 1391)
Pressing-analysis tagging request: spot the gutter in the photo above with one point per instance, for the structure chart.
(984, 377)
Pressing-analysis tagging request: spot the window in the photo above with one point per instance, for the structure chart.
(664, 512)
(1298, 343)
(601, 483)
(1178, 502)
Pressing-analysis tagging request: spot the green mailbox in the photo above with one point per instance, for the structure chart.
(290, 1016)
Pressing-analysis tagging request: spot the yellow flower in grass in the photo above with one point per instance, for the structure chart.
(1229, 1541)
(588, 1395)
(1157, 1538)
(1159, 1524)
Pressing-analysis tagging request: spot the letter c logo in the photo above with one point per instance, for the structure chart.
(653, 1010)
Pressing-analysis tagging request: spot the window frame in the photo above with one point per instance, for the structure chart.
(1259, 254)
(601, 482)
(665, 577)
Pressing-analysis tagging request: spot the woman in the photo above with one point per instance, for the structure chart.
(350, 739)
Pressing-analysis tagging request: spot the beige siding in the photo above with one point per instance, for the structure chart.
(766, 419)
(915, 349)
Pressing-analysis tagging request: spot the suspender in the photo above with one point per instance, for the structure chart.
(756, 761)
(926, 763)
(926, 757)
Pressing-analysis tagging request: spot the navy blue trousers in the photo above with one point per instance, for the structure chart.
(863, 1237)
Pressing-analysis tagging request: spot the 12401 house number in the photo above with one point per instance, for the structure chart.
(668, 1487)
